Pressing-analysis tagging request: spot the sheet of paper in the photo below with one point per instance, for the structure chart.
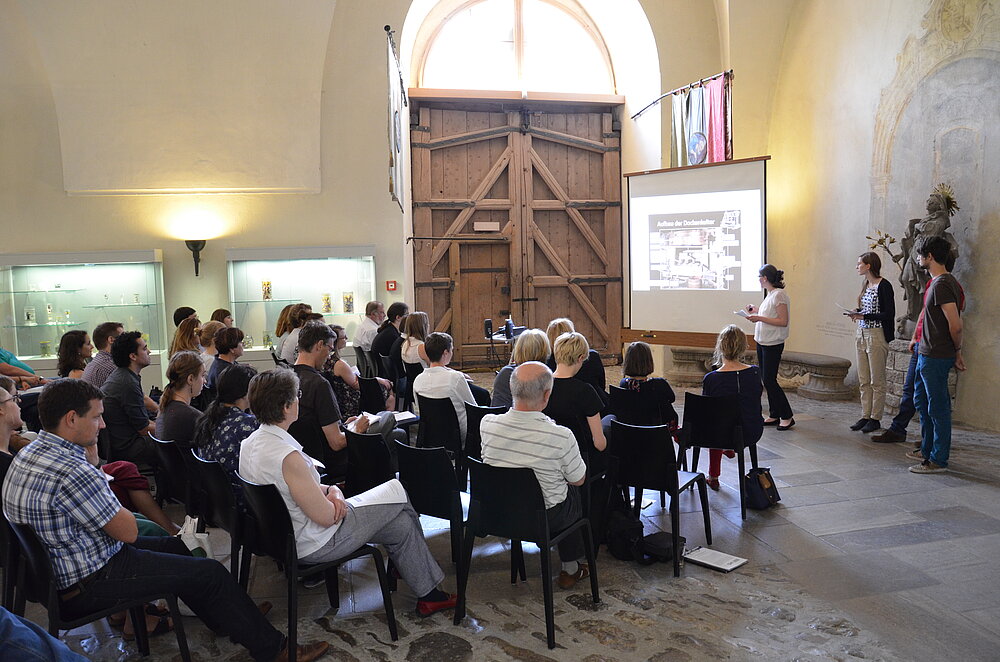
(391, 491)
(403, 416)
(741, 313)
(714, 559)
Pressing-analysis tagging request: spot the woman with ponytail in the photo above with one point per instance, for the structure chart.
(770, 331)
(185, 379)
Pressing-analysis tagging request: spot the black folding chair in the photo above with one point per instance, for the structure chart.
(430, 481)
(221, 511)
(371, 395)
(172, 478)
(715, 422)
(368, 462)
(278, 361)
(646, 460)
(508, 503)
(10, 553)
(277, 540)
(439, 427)
(473, 437)
(412, 370)
(41, 587)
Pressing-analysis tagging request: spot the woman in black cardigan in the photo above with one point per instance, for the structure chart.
(875, 313)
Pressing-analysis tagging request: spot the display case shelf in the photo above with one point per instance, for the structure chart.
(32, 326)
(59, 289)
(264, 300)
(120, 305)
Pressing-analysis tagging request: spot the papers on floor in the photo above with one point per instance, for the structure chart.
(711, 558)
(388, 492)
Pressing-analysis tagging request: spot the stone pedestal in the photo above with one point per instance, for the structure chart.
(897, 361)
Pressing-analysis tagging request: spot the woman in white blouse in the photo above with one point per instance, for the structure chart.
(416, 330)
(770, 331)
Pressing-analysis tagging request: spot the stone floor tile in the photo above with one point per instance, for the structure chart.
(844, 576)
(828, 518)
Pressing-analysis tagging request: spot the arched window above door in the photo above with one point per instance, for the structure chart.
(519, 45)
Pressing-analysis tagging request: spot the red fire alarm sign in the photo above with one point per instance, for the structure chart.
(390, 286)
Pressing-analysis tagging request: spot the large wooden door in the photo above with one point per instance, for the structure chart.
(516, 213)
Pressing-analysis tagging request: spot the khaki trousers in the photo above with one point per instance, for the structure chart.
(872, 353)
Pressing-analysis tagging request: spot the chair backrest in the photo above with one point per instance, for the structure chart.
(172, 474)
(373, 363)
(438, 424)
(712, 422)
(646, 456)
(362, 361)
(368, 462)
(631, 407)
(429, 479)
(473, 417)
(371, 395)
(38, 585)
(386, 369)
(412, 371)
(278, 361)
(506, 502)
(219, 503)
(275, 536)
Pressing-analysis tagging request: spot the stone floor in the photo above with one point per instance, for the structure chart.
(861, 560)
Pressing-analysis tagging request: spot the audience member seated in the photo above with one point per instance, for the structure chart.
(416, 330)
(526, 437)
(183, 313)
(389, 332)
(592, 370)
(317, 427)
(101, 366)
(574, 403)
(222, 315)
(345, 382)
(440, 381)
(225, 423)
(15, 368)
(290, 345)
(326, 526)
(186, 337)
(374, 316)
(185, 379)
(228, 349)
(10, 418)
(285, 324)
(531, 345)
(652, 392)
(74, 352)
(96, 553)
(206, 338)
(125, 411)
(734, 377)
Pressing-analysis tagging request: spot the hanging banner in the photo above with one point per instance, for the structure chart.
(397, 114)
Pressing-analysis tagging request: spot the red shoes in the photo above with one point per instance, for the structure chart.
(426, 607)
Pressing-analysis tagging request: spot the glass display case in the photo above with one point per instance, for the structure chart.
(337, 281)
(44, 295)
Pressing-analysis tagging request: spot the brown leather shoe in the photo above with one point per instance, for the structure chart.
(304, 652)
(568, 581)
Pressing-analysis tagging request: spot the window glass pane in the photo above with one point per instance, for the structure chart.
(560, 55)
(475, 50)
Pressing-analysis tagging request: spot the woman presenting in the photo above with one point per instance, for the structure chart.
(876, 310)
(770, 332)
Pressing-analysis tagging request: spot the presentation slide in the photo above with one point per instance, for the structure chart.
(696, 243)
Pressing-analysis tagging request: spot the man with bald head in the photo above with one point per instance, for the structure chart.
(525, 437)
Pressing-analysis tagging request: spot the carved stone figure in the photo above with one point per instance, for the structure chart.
(941, 206)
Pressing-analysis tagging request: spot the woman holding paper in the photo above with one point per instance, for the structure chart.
(326, 525)
(770, 331)
(875, 313)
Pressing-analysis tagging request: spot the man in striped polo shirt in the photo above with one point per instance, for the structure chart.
(525, 437)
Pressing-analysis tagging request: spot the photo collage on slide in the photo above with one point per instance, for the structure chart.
(694, 251)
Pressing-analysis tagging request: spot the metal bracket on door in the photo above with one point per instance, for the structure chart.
(594, 281)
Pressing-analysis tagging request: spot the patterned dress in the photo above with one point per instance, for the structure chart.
(224, 447)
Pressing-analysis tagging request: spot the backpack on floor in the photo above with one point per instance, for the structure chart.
(626, 542)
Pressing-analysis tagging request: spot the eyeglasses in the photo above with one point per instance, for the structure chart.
(300, 394)
(15, 398)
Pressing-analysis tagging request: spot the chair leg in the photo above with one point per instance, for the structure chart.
(293, 612)
(182, 642)
(455, 531)
(516, 561)
(392, 582)
(675, 527)
(753, 455)
(234, 556)
(245, 558)
(463, 574)
(333, 588)
(703, 493)
(138, 616)
(743, 488)
(390, 613)
(588, 546)
(663, 499)
(550, 619)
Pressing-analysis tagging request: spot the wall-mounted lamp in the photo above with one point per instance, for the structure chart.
(195, 246)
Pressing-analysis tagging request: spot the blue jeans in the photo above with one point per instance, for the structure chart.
(930, 395)
(906, 407)
(163, 565)
(22, 640)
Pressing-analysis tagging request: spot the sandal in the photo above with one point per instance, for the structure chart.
(163, 626)
(713, 482)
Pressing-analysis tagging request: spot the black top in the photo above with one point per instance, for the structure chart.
(317, 408)
(125, 413)
(396, 357)
(382, 343)
(747, 385)
(571, 403)
(176, 423)
(591, 372)
(656, 392)
(214, 370)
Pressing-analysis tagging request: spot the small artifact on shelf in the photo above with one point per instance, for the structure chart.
(45, 348)
(48, 313)
(66, 313)
(267, 339)
(29, 316)
(135, 298)
(348, 302)
(265, 290)
(327, 306)
(247, 341)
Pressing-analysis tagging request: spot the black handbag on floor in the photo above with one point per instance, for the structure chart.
(761, 491)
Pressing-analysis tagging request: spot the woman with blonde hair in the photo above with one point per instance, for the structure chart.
(416, 330)
(288, 338)
(186, 337)
(574, 403)
(531, 345)
(592, 370)
(875, 314)
(207, 339)
(733, 377)
(185, 380)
